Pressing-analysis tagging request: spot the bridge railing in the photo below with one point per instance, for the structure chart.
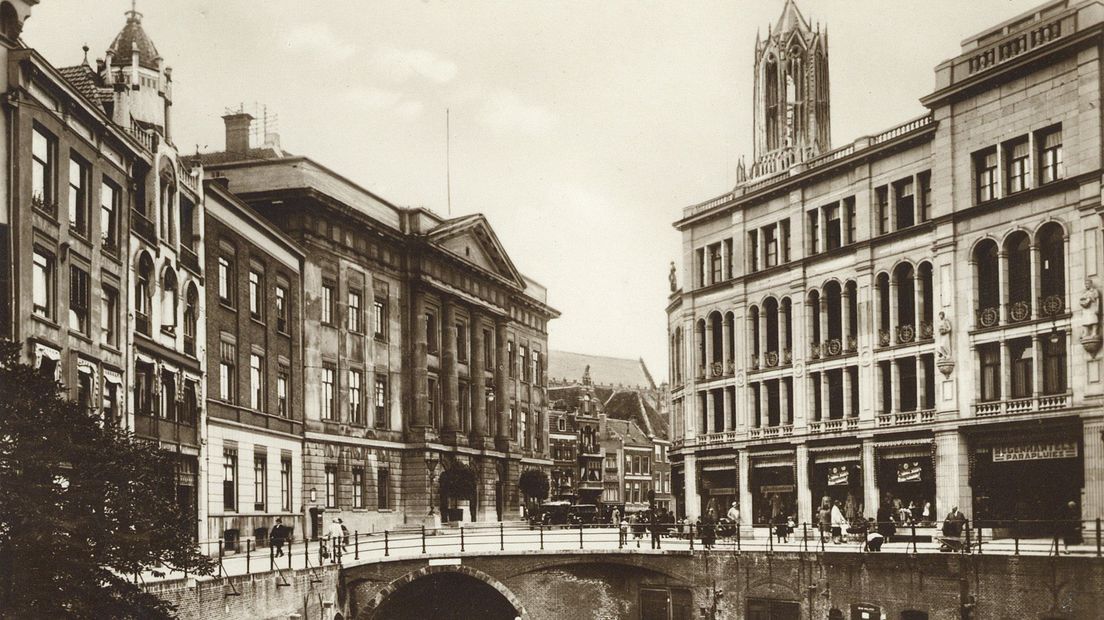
(1002, 537)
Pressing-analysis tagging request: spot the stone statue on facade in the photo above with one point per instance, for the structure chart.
(944, 358)
(673, 278)
(1090, 317)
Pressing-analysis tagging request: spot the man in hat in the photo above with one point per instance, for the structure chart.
(336, 536)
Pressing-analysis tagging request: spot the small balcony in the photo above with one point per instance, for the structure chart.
(143, 227)
(906, 334)
(771, 359)
(771, 432)
(190, 260)
(1015, 406)
(831, 348)
(834, 426)
(905, 418)
(1052, 305)
(987, 317)
(724, 437)
(142, 322)
(926, 331)
(1018, 311)
(883, 338)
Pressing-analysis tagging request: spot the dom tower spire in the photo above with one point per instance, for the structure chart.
(791, 93)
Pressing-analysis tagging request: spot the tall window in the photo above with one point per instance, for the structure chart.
(379, 319)
(462, 343)
(188, 236)
(256, 294)
(488, 349)
(784, 239)
(256, 382)
(814, 231)
(431, 333)
(381, 401)
(43, 284)
(512, 357)
(169, 296)
(985, 171)
(881, 196)
(229, 479)
(285, 485)
(78, 195)
(1020, 354)
(226, 280)
(728, 259)
(191, 319)
(383, 489)
(331, 486)
(989, 358)
(924, 178)
(329, 372)
(849, 208)
(833, 228)
(355, 404)
(770, 241)
(79, 299)
(358, 487)
(282, 308)
(431, 400)
(282, 379)
(143, 387)
(260, 482)
(109, 317)
(228, 376)
(353, 312)
(906, 203)
(1019, 165)
(715, 274)
(327, 303)
(109, 214)
(1050, 155)
(43, 147)
(524, 363)
(1054, 363)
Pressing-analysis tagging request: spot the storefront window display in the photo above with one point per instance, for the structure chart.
(906, 481)
(839, 478)
(773, 489)
(1027, 480)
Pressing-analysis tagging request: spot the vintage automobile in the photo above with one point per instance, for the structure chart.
(583, 514)
(551, 513)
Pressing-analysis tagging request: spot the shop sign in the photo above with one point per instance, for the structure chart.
(723, 491)
(838, 476)
(909, 471)
(776, 488)
(1035, 451)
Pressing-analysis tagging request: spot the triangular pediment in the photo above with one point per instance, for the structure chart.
(472, 240)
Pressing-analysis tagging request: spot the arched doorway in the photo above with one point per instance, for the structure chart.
(447, 595)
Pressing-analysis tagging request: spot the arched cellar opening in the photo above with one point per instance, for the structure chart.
(446, 596)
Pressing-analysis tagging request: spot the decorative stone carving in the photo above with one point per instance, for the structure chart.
(944, 357)
(1090, 318)
(672, 278)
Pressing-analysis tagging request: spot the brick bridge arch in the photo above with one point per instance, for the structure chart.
(370, 606)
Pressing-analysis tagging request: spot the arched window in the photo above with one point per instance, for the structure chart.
(882, 307)
(786, 326)
(987, 283)
(1052, 270)
(925, 296)
(833, 293)
(770, 309)
(169, 300)
(167, 193)
(904, 277)
(851, 327)
(143, 294)
(1017, 250)
(10, 25)
(753, 332)
(730, 342)
(813, 327)
(717, 325)
(191, 317)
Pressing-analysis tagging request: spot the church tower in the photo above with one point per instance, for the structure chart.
(791, 94)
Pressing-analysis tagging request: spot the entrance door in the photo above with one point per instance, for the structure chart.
(769, 609)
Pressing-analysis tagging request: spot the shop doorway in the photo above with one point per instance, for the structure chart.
(1027, 484)
(906, 480)
(773, 492)
(839, 481)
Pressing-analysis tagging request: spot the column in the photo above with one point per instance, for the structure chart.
(502, 387)
(421, 388)
(1092, 505)
(450, 370)
(1002, 285)
(809, 321)
(825, 397)
(729, 396)
(810, 398)
(762, 247)
(823, 323)
(745, 486)
(1036, 288)
(823, 230)
(784, 318)
(893, 292)
(846, 392)
(764, 404)
(804, 493)
(708, 347)
(727, 337)
(845, 224)
(1005, 371)
(895, 387)
(921, 380)
(703, 412)
(918, 300)
(762, 336)
(845, 316)
(952, 477)
(879, 391)
(784, 401)
(877, 313)
(476, 389)
(870, 481)
(1037, 365)
(891, 195)
(710, 412)
(690, 486)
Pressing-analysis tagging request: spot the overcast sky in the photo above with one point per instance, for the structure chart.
(580, 129)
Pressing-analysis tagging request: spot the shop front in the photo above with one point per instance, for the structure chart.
(718, 478)
(905, 471)
(1028, 478)
(678, 487)
(773, 486)
(836, 474)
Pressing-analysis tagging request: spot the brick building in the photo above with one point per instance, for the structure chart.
(915, 315)
(424, 348)
(255, 380)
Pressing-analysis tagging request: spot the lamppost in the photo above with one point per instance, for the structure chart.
(431, 461)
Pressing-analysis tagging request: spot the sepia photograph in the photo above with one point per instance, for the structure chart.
(552, 309)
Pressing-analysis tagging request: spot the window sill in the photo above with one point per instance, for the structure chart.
(79, 336)
(45, 320)
(257, 319)
(379, 338)
(226, 303)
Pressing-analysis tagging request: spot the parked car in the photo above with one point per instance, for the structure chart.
(551, 513)
(584, 514)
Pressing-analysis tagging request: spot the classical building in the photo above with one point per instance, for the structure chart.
(255, 380)
(103, 239)
(424, 348)
(912, 316)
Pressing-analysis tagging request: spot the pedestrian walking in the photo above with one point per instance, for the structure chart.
(708, 529)
(952, 530)
(734, 514)
(656, 529)
(616, 517)
(838, 523)
(1071, 526)
(824, 519)
(885, 525)
(623, 533)
(335, 535)
(277, 537)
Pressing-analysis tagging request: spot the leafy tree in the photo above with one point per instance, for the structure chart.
(533, 484)
(83, 507)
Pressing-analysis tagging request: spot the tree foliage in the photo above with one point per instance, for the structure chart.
(458, 482)
(534, 484)
(84, 506)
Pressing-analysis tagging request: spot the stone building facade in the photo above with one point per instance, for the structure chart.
(424, 348)
(915, 315)
(254, 407)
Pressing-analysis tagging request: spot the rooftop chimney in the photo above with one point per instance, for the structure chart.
(237, 131)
